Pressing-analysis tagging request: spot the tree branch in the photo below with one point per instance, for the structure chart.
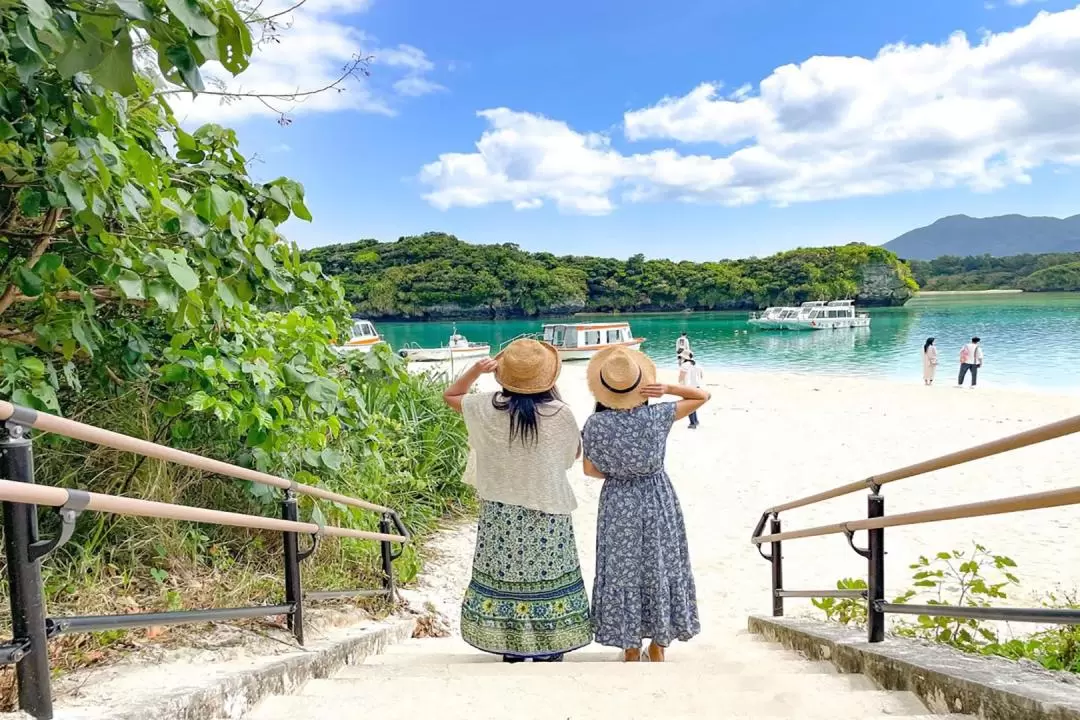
(48, 227)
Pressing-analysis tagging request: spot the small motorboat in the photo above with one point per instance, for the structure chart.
(364, 337)
(581, 341)
(459, 348)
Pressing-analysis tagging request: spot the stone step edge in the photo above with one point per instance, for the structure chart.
(944, 679)
(237, 694)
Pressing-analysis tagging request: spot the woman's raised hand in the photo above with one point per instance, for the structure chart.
(657, 390)
(487, 365)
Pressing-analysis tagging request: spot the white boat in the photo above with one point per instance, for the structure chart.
(459, 348)
(828, 316)
(772, 318)
(580, 341)
(364, 337)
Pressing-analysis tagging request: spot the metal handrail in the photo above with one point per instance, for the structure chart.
(118, 441)
(24, 551)
(1035, 436)
(19, 492)
(876, 522)
(1001, 506)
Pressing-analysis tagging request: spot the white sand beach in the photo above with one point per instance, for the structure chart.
(768, 438)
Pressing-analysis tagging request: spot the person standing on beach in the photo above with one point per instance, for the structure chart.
(929, 362)
(971, 359)
(691, 375)
(682, 348)
(644, 585)
(526, 599)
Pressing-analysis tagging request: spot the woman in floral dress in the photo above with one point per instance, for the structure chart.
(644, 586)
(526, 599)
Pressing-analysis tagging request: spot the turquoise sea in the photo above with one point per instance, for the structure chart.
(1030, 341)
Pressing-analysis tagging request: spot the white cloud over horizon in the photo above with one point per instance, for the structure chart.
(913, 117)
(315, 42)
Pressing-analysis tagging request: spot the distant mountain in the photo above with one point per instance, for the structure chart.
(999, 236)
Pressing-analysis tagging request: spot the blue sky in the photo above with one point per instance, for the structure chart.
(581, 153)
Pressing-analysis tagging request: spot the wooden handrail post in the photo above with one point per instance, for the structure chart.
(875, 576)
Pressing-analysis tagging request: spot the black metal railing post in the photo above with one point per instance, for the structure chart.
(24, 576)
(777, 570)
(386, 527)
(294, 593)
(875, 577)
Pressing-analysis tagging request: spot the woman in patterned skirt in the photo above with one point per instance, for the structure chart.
(644, 586)
(526, 599)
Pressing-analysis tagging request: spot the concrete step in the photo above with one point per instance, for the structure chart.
(584, 662)
(444, 651)
(558, 697)
(719, 677)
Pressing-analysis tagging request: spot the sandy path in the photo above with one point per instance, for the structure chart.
(765, 439)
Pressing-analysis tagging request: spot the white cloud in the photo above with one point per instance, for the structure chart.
(415, 86)
(953, 114)
(314, 43)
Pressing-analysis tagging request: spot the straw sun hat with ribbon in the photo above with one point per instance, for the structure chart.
(617, 375)
(528, 367)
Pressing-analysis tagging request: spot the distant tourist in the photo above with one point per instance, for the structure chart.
(527, 598)
(682, 348)
(644, 586)
(691, 375)
(929, 361)
(971, 359)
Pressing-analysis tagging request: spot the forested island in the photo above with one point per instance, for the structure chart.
(436, 275)
(1051, 272)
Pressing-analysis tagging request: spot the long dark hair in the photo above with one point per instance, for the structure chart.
(523, 410)
(929, 342)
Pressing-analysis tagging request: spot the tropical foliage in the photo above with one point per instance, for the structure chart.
(976, 578)
(1034, 273)
(438, 275)
(144, 287)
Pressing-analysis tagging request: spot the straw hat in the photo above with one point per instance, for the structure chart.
(616, 376)
(528, 367)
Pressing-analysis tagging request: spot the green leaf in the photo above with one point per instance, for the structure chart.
(332, 459)
(184, 276)
(116, 70)
(174, 373)
(322, 390)
(131, 284)
(164, 295)
(29, 282)
(134, 9)
(191, 15)
(7, 130)
(82, 334)
(26, 34)
(73, 192)
(133, 200)
(185, 64)
(33, 366)
(39, 8)
(226, 294)
(264, 257)
(30, 199)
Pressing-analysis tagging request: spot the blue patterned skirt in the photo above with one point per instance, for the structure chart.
(526, 598)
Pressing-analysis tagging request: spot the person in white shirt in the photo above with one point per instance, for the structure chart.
(971, 359)
(691, 375)
(682, 348)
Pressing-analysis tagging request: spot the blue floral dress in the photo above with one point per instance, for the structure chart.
(644, 586)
